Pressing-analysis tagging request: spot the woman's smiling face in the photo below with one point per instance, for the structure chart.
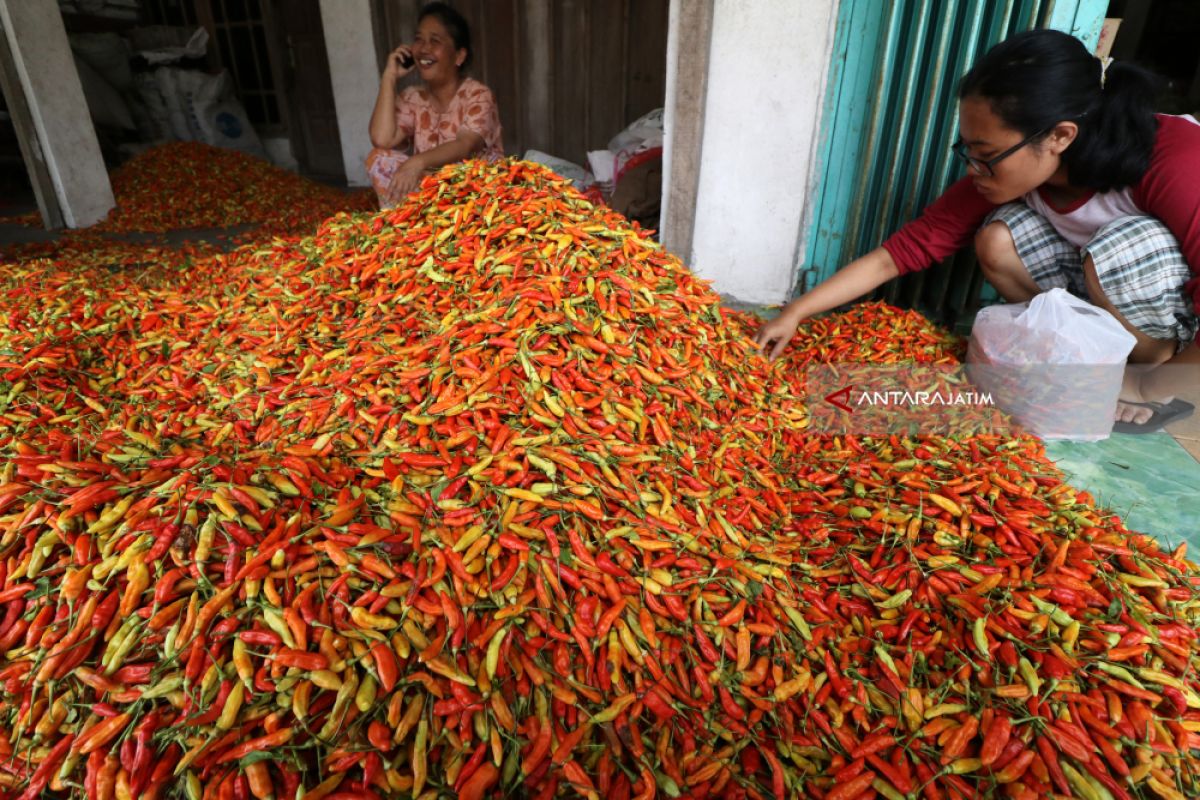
(986, 136)
(437, 58)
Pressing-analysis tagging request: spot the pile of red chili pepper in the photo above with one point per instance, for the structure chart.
(100, 252)
(188, 185)
(487, 496)
(219, 188)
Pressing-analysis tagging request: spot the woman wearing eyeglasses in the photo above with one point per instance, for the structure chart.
(1073, 182)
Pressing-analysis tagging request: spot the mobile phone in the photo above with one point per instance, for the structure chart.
(406, 60)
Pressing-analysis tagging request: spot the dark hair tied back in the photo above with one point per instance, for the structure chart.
(1037, 79)
(455, 25)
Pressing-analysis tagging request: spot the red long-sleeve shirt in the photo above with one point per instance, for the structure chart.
(1169, 191)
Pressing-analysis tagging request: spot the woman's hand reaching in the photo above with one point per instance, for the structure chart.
(850, 282)
(775, 334)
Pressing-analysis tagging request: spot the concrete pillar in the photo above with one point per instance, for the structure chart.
(58, 138)
(759, 110)
(354, 72)
(537, 106)
(689, 38)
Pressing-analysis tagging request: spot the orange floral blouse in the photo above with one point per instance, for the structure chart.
(473, 108)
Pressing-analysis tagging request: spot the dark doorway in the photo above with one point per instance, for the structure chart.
(275, 52)
(307, 89)
(1162, 35)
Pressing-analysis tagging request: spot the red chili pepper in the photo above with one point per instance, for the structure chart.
(852, 788)
(1051, 760)
(261, 638)
(423, 460)
(894, 775)
(995, 739)
(262, 743)
(473, 764)
(730, 705)
(608, 618)
(851, 770)
(703, 683)
(385, 665)
(50, 763)
(1065, 740)
(301, 659)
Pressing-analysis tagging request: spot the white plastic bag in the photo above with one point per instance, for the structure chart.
(152, 115)
(645, 131)
(569, 170)
(604, 167)
(1054, 363)
(174, 102)
(160, 45)
(217, 113)
(202, 107)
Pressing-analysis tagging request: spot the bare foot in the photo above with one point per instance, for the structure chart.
(1128, 408)
(1131, 413)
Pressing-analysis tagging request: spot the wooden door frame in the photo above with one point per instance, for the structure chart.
(275, 60)
(276, 48)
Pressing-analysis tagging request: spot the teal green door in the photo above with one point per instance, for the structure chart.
(891, 114)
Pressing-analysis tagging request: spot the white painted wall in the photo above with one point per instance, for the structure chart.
(350, 41)
(63, 127)
(766, 84)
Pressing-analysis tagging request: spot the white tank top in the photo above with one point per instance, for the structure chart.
(1079, 225)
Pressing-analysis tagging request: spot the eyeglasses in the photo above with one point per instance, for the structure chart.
(987, 167)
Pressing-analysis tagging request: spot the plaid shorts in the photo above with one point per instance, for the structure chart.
(1138, 262)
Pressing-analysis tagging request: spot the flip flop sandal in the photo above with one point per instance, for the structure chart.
(1164, 414)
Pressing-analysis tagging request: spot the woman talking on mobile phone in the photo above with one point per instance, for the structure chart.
(448, 117)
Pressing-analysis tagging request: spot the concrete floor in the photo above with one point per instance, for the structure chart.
(19, 234)
(1187, 433)
(1150, 480)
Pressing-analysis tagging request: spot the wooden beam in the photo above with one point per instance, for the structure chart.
(537, 115)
